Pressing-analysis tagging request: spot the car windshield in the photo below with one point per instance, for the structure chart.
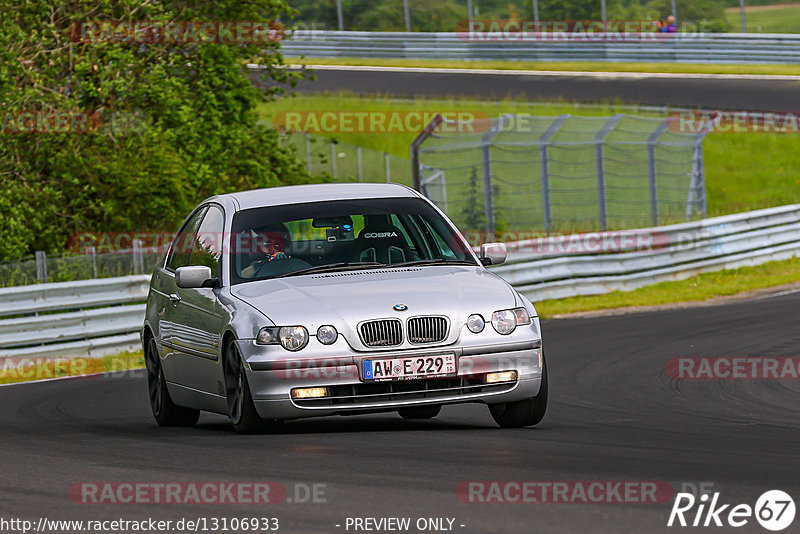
(289, 240)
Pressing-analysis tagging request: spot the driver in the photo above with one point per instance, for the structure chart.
(268, 246)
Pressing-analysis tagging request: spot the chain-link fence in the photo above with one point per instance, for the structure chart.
(564, 173)
(43, 268)
(345, 162)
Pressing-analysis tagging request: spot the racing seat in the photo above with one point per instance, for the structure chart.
(381, 242)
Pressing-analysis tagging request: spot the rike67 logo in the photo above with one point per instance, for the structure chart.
(774, 510)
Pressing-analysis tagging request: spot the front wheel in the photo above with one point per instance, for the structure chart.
(527, 412)
(241, 409)
(165, 411)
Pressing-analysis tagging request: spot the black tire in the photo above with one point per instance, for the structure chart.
(165, 411)
(527, 412)
(420, 412)
(241, 409)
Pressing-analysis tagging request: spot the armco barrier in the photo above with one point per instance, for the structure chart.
(72, 319)
(680, 47)
(99, 317)
(680, 251)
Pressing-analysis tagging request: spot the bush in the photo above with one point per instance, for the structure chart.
(190, 128)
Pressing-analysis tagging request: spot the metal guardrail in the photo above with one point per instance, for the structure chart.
(671, 253)
(99, 317)
(72, 319)
(680, 47)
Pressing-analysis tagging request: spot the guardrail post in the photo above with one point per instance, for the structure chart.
(486, 163)
(41, 266)
(544, 142)
(652, 171)
(358, 163)
(308, 152)
(138, 257)
(599, 139)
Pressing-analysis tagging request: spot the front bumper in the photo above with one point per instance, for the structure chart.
(272, 375)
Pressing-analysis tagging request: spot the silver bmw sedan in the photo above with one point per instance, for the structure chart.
(335, 299)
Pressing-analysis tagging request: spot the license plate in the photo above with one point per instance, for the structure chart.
(410, 368)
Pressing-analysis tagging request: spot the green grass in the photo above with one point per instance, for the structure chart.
(744, 171)
(583, 66)
(13, 372)
(767, 19)
(699, 288)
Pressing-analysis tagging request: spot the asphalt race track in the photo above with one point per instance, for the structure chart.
(752, 93)
(614, 415)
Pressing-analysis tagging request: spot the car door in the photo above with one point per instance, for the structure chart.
(166, 289)
(196, 316)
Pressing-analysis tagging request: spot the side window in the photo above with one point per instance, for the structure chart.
(207, 244)
(182, 246)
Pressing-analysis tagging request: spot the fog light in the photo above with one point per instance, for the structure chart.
(504, 376)
(309, 393)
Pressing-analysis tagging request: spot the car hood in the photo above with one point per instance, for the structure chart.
(344, 299)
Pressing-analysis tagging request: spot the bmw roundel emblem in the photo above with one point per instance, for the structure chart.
(400, 307)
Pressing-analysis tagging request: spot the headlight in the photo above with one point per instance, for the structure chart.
(289, 337)
(475, 323)
(293, 337)
(505, 321)
(268, 336)
(327, 335)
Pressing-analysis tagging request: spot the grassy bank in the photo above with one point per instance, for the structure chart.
(699, 288)
(774, 18)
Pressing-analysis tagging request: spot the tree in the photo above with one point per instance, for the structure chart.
(170, 121)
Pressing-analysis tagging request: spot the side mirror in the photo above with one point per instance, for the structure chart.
(493, 253)
(194, 277)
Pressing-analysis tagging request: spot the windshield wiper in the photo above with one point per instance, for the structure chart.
(341, 266)
(434, 261)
